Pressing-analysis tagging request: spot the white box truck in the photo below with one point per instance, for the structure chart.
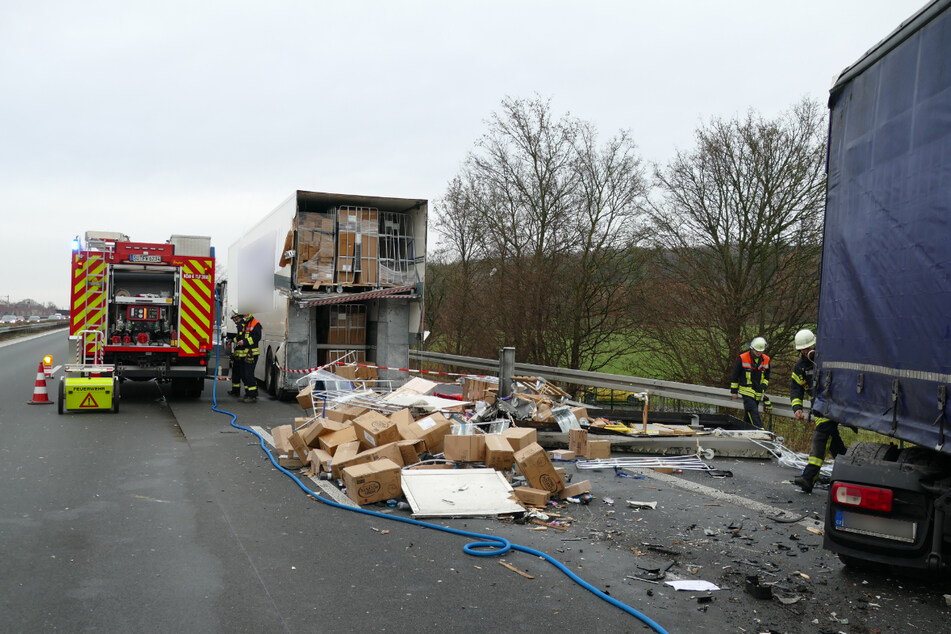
(329, 275)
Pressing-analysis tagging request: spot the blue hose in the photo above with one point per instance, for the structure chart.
(488, 546)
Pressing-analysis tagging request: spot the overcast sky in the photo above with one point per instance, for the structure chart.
(199, 117)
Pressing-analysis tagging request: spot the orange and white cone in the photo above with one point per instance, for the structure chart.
(40, 396)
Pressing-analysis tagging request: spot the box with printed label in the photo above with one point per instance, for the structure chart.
(431, 429)
(375, 429)
(534, 464)
(373, 481)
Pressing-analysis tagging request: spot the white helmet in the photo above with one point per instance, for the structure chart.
(758, 344)
(805, 339)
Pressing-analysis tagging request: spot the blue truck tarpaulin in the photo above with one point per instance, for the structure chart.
(884, 336)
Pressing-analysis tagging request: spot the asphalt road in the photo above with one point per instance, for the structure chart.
(165, 518)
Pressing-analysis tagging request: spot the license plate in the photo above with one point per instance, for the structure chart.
(873, 526)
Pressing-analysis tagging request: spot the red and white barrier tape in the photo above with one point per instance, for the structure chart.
(377, 367)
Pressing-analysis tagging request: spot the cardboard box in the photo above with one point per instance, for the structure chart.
(389, 452)
(320, 459)
(578, 441)
(431, 429)
(345, 451)
(477, 389)
(343, 413)
(520, 437)
(373, 481)
(468, 448)
(499, 454)
(534, 464)
(374, 429)
(576, 488)
(348, 372)
(532, 497)
(598, 449)
(410, 450)
(300, 447)
(282, 439)
(330, 441)
(402, 417)
(562, 454)
(305, 397)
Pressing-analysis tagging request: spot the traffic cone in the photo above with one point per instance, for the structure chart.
(40, 396)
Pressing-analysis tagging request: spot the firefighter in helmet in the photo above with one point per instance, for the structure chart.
(827, 430)
(750, 378)
(246, 353)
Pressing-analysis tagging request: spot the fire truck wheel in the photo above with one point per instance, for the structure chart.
(61, 400)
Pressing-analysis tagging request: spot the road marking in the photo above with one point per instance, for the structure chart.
(330, 490)
(732, 498)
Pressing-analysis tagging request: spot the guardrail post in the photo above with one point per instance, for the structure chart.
(506, 371)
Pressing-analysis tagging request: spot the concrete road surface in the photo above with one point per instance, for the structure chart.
(166, 518)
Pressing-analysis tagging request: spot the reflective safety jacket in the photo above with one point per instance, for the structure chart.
(803, 380)
(247, 343)
(750, 375)
(802, 386)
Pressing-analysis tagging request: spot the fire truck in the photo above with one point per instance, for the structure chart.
(142, 310)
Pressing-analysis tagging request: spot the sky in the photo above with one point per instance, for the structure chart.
(199, 117)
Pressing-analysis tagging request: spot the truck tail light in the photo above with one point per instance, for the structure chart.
(871, 498)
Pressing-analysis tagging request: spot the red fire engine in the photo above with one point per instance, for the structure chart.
(146, 309)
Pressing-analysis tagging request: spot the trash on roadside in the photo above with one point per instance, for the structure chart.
(692, 585)
(634, 504)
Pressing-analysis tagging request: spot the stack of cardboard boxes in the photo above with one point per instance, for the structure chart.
(347, 328)
(357, 246)
(366, 450)
(315, 249)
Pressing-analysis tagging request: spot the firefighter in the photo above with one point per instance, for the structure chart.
(750, 378)
(237, 356)
(827, 430)
(247, 350)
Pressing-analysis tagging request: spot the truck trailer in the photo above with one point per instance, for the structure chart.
(143, 310)
(332, 277)
(884, 323)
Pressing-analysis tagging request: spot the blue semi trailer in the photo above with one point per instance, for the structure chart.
(884, 326)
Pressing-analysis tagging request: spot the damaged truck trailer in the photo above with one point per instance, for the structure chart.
(884, 335)
(332, 276)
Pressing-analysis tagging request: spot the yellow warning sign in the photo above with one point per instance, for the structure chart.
(88, 393)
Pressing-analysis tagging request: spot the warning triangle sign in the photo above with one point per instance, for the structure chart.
(89, 402)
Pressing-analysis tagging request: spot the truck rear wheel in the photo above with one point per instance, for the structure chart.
(863, 451)
(61, 400)
(272, 377)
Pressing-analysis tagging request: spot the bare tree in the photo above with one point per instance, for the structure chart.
(738, 242)
(541, 220)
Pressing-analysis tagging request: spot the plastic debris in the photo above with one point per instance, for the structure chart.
(692, 585)
(634, 504)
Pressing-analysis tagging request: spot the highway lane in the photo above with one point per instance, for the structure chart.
(166, 518)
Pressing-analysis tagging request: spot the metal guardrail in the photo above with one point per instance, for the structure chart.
(714, 396)
(18, 330)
